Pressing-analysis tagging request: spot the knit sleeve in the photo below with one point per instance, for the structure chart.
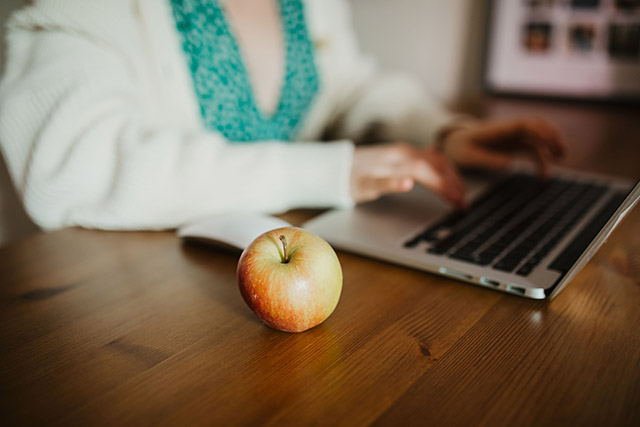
(84, 146)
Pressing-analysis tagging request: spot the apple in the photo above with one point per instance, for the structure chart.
(290, 278)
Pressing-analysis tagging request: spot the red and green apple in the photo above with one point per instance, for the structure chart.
(290, 278)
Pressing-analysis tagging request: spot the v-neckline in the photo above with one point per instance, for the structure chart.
(244, 70)
(221, 82)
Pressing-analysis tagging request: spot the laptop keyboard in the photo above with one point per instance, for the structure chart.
(517, 222)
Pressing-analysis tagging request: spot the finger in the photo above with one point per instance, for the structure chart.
(497, 130)
(494, 160)
(541, 158)
(451, 176)
(538, 143)
(540, 133)
(539, 149)
(522, 132)
(559, 147)
(440, 182)
(502, 162)
(372, 188)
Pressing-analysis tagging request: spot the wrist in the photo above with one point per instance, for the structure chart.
(442, 136)
(446, 133)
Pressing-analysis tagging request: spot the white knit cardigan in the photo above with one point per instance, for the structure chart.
(100, 126)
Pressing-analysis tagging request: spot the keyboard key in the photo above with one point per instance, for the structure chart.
(574, 250)
(413, 242)
(448, 222)
(465, 256)
(507, 264)
(525, 270)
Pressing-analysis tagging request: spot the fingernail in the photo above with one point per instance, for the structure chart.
(406, 184)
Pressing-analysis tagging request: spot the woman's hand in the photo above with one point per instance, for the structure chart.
(395, 168)
(496, 144)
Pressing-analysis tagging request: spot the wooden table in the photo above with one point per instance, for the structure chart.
(139, 329)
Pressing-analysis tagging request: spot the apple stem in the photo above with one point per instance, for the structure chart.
(285, 257)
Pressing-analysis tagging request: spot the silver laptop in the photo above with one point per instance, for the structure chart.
(521, 235)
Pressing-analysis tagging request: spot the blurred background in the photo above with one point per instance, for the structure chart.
(537, 46)
(442, 42)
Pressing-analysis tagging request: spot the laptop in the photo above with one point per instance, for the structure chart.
(521, 234)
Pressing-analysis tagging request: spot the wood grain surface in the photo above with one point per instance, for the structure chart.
(137, 328)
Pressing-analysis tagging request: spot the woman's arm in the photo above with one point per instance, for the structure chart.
(85, 146)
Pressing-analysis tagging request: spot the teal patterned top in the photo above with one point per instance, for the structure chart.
(222, 82)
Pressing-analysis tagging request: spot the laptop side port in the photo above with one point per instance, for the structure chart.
(455, 274)
(516, 290)
(489, 282)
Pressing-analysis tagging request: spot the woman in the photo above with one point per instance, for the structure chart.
(132, 114)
